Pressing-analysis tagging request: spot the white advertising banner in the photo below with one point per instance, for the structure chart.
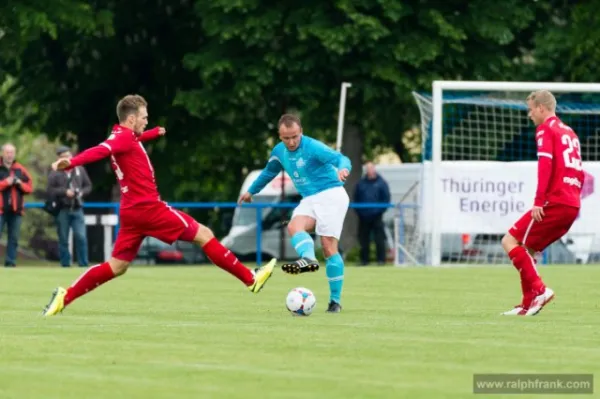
(489, 196)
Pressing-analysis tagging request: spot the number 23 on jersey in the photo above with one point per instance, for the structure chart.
(571, 154)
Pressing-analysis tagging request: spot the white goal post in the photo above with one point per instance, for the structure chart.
(477, 129)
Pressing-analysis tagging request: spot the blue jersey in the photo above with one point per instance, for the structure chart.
(313, 167)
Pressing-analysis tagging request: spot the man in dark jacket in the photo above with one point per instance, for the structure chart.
(68, 188)
(371, 188)
(15, 183)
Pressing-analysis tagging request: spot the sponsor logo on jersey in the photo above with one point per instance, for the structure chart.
(572, 181)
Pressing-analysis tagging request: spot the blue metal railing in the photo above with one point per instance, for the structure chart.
(259, 206)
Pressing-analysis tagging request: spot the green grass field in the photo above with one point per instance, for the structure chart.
(195, 332)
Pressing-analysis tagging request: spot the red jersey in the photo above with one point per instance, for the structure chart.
(130, 162)
(560, 170)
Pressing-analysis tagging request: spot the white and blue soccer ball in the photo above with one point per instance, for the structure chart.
(301, 301)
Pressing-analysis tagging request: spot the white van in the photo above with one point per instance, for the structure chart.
(241, 238)
(403, 181)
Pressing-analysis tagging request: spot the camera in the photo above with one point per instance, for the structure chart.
(77, 197)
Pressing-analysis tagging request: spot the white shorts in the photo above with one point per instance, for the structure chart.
(328, 208)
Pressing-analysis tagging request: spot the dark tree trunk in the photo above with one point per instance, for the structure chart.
(352, 147)
(401, 150)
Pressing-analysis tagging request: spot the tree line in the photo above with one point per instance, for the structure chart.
(219, 73)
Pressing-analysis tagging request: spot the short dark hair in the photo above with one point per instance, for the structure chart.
(128, 105)
(288, 120)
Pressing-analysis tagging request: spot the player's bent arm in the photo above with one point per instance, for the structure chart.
(269, 173)
(329, 156)
(344, 163)
(149, 134)
(544, 174)
(90, 155)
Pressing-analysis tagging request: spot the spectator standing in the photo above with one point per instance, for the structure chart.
(372, 188)
(68, 188)
(15, 183)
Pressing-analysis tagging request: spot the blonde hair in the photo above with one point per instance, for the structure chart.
(128, 105)
(543, 97)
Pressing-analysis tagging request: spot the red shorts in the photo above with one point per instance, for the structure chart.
(155, 219)
(557, 221)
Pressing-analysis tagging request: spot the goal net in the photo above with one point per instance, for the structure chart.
(479, 173)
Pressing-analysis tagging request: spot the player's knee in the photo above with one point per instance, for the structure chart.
(299, 224)
(292, 229)
(296, 225)
(509, 243)
(118, 266)
(203, 235)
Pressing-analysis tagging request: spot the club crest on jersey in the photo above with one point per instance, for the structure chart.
(112, 136)
(300, 163)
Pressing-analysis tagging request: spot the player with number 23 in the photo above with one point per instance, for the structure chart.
(556, 204)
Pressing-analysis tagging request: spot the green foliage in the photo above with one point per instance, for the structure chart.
(24, 22)
(36, 152)
(268, 59)
(566, 47)
(220, 76)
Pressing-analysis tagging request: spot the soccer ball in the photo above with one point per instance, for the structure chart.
(300, 301)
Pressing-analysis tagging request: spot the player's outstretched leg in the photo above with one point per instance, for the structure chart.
(305, 247)
(88, 281)
(226, 260)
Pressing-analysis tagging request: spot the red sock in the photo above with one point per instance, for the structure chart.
(524, 263)
(528, 293)
(226, 260)
(525, 286)
(90, 279)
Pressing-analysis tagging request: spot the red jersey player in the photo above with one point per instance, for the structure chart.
(556, 204)
(142, 212)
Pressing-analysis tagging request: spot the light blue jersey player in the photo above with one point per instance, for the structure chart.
(318, 172)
